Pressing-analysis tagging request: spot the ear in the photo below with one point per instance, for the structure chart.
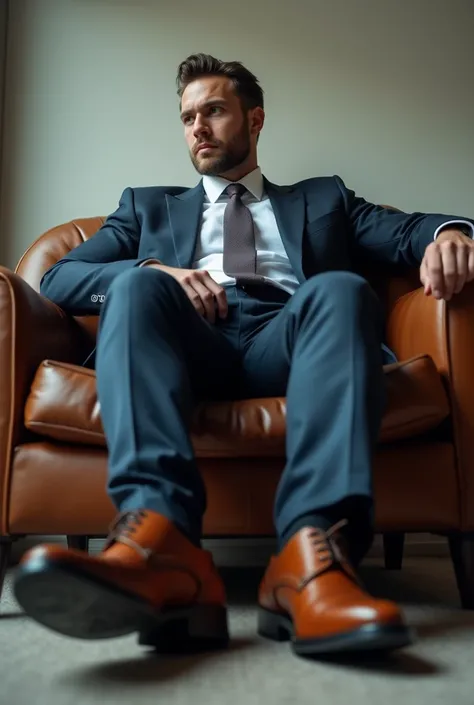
(257, 120)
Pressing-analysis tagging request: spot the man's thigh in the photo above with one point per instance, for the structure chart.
(168, 335)
(266, 359)
(212, 358)
(268, 355)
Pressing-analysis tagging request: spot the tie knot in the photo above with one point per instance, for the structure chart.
(235, 190)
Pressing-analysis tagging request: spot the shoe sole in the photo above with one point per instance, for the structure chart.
(368, 637)
(75, 603)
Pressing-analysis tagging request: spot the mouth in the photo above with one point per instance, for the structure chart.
(204, 146)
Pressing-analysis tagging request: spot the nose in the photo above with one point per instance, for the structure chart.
(200, 126)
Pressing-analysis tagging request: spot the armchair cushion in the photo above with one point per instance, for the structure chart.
(63, 405)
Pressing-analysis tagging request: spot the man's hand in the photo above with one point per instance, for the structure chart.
(448, 264)
(204, 293)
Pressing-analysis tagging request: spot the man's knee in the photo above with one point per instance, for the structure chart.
(140, 291)
(338, 285)
(141, 285)
(337, 281)
(336, 294)
(139, 280)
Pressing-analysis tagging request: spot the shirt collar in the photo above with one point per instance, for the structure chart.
(214, 186)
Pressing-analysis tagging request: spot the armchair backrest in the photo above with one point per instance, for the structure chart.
(49, 248)
(57, 242)
(52, 246)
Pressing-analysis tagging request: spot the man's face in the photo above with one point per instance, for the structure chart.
(217, 131)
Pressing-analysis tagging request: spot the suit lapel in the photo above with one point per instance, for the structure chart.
(185, 212)
(289, 208)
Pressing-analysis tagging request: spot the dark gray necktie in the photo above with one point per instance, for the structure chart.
(240, 254)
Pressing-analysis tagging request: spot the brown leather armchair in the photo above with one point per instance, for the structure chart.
(53, 454)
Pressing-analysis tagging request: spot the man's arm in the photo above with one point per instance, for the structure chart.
(388, 236)
(78, 283)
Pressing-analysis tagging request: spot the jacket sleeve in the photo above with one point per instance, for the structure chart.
(389, 236)
(78, 283)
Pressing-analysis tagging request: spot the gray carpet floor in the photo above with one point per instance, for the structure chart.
(38, 667)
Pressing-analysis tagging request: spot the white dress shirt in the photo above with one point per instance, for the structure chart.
(272, 261)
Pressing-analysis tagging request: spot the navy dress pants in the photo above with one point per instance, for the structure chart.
(157, 357)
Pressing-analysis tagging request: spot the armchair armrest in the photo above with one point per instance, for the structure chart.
(31, 329)
(445, 331)
(417, 325)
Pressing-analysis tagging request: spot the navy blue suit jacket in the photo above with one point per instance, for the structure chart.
(324, 226)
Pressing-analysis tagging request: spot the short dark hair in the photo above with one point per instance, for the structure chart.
(246, 85)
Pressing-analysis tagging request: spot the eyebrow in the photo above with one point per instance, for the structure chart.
(207, 104)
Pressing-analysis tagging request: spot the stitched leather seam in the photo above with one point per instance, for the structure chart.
(417, 424)
(9, 435)
(70, 367)
(390, 369)
(76, 228)
(34, 425)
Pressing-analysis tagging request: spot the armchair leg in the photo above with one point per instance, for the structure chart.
(393, 543)
(79, 543)
(6, 544)
(461, 547)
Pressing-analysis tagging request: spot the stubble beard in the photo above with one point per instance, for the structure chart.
(235, 152)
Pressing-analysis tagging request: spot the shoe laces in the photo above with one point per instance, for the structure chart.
(326, 543)
(126, 523)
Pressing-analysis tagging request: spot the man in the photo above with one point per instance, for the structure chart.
(236, 287)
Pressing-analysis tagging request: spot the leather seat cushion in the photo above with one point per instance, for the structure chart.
(63, 405)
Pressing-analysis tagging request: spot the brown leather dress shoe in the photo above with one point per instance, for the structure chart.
(311, 595)
(149, 579)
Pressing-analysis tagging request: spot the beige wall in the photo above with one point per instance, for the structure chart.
(3, 51)
(380, 92)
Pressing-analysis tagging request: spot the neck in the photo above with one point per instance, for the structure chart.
(241, 170)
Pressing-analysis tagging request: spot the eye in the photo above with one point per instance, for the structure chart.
(215, 110)
(188, 120)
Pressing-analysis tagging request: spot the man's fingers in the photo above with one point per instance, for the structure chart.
(423, 271)
(462, 266)
(424, 277)
(449, 268)
(470, 265)
(198, 294)
(434, 271)
(194, 297)
(219, 295)
(204, 293)
(207, 299)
